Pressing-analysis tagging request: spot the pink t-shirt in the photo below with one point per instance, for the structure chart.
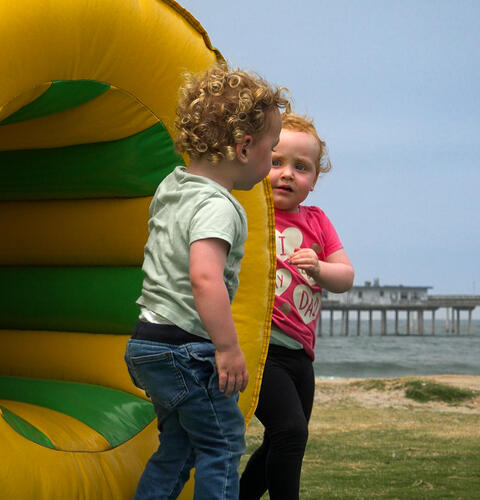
(297, 298)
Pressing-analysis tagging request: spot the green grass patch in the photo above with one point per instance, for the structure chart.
(390, 463)
(370, 384)
(389, 453)
(423, 391)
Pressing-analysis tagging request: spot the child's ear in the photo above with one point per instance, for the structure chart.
(242, 148)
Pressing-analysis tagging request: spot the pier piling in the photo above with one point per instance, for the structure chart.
(453, 306)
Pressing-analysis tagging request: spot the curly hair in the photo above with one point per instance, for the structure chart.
(297, 123)
(219, 107)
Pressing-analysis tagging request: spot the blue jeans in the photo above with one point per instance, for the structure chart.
(199, 426)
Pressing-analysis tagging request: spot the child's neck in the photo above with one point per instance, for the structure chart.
(222, 173)
(295, 210)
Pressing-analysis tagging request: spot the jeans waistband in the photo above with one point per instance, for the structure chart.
(166, 334)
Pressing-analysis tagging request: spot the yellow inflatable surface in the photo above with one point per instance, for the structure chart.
(88, 93)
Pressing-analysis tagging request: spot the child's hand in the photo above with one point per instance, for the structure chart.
(306, 259)
(232, 370)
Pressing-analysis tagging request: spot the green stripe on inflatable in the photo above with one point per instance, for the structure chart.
(61, 95)
(79, 299)
(129, 167)
(25, 429)
(116, 415)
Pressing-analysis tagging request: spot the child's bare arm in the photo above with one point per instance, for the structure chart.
(207, 262)
(335, 274)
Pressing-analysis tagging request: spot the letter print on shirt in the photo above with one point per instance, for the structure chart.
(287, 240)
(283, 280)
(306, 302)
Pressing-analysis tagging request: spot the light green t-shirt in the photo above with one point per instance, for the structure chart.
(184, 209)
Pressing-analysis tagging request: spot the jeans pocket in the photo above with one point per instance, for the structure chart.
(132, 374)
(203, 366)
(159, 375)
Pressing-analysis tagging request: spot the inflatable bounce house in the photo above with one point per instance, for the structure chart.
(88, 93)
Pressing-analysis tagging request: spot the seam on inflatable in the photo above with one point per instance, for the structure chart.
(195, 24)
(267, 188)
(112, 87)
(5, 105)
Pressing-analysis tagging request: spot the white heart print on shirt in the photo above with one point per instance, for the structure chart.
(282, 281)
(306, 302)
(287, 240)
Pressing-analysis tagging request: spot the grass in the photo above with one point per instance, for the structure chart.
(423, 391)
(370, 384)
(356, 452)
(419, 390)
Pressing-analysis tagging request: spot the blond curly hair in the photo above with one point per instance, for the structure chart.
(219, 107)
(298, 123)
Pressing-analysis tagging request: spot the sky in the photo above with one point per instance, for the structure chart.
(394, 90)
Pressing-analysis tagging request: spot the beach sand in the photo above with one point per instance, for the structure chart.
(334, 391)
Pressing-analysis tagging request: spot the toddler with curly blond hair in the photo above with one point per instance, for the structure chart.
(184, 351)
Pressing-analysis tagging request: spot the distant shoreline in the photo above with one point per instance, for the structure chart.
(462, 381)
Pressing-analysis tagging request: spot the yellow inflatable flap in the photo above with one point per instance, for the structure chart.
(88, 93)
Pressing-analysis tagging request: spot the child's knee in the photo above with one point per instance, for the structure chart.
(290, 439)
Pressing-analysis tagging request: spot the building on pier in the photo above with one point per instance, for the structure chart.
(410, 301)
(381, 295)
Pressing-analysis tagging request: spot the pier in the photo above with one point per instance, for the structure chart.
(395, 302)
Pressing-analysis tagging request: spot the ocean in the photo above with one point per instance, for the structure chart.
(397, 356)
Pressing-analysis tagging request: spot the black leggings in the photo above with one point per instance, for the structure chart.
(284, 408)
